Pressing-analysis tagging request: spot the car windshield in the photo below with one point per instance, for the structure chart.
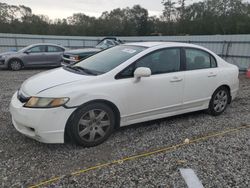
(25, 48)
(107, 60)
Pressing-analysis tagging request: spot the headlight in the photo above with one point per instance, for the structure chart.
(75, 58)
(40, 102)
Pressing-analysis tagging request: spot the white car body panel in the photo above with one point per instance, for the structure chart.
(137, 101)
(194, 88)
(48, 127)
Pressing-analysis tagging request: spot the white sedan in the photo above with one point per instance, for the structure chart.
(123, 85)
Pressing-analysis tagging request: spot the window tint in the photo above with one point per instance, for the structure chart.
(163, 61)
(36, 49)
(54, 49)
(198, 59)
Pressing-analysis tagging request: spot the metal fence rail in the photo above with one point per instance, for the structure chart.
(233, 48)
(18, 41)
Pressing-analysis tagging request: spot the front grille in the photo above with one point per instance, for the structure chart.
(66, 56)
(2, 61)
(66, 61)
(22, 98)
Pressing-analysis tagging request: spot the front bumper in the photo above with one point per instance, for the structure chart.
(45, 125)
(3, 63)
(67, 61)
(63, 63)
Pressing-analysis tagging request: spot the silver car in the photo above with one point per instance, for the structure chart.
(36, 55)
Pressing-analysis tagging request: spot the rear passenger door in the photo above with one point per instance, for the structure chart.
(200, 77)
(54, 55)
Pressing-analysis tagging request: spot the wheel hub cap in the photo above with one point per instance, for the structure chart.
(93, 125)
(220, 101)
(15, 65)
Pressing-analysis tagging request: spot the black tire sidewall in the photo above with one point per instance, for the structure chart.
(211, 104)
(78, 114)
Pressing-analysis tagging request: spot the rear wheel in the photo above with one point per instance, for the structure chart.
(15, 64)
(219, 101)
(92, 124)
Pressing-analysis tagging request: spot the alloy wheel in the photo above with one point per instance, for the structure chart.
(15, 65)
(94, 125)
(220, 101)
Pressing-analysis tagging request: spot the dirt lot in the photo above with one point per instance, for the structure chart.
(219, 161)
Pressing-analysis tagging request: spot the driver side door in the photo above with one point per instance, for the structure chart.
(155, 96)
(35, 56)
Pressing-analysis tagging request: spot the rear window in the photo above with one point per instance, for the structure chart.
(54, 49)
(199, 59)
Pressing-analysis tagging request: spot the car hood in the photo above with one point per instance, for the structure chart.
(50, 79)
(81, 51)
(7, 53)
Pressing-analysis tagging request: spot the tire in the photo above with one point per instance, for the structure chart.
(219, 101)
(91, 125)
(15, 64)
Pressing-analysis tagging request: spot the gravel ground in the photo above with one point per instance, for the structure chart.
(222, 161)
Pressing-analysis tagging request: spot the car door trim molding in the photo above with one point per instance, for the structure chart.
(160, 111)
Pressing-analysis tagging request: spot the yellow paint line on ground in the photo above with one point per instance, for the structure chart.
(145, 154)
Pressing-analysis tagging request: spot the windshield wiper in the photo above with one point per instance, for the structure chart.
(86, 70)
(81, 69)
(72, 68)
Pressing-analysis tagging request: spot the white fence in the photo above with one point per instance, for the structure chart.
(234, 48)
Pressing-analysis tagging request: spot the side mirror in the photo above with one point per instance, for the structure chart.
(27, 52)
(142, 72)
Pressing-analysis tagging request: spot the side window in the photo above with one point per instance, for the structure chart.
(213, 62)
(36, 49)
(198, 59)
(54, 49)
(162, 61)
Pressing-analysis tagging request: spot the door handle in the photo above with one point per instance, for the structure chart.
(176, 79)
(211, 74)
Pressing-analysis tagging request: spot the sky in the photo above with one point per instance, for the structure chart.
(65, 8)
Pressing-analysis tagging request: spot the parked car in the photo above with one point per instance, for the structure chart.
(72, 56)
(36, 55)
(123, 85)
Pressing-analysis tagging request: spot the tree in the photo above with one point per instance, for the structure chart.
(138, 16)
(178, 18)
(115, 22)
(169, 12)
(182, 9)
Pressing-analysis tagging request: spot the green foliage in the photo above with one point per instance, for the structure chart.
(178, 18)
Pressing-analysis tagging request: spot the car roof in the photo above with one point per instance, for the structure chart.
(49, 44)
(112, 38)
(164, 44)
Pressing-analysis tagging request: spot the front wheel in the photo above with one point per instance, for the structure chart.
(92, 124)
(219, 101)
(15, 64)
